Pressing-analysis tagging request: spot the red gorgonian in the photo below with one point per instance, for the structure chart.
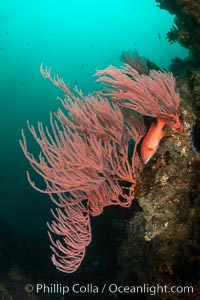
(85, 158)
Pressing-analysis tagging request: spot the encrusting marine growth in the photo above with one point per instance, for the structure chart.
(85, 158)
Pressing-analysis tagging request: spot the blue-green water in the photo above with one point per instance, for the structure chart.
(75, 37)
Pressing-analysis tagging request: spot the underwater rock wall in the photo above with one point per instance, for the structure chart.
(163, 242)
(187, 23)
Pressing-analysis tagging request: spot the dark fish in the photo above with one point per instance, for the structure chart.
(92, 45)
(159, 35)
(27, 44)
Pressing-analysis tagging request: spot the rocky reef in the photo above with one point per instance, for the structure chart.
(186, 32)
(162, 240)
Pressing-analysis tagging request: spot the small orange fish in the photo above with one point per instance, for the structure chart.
(152, 139)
